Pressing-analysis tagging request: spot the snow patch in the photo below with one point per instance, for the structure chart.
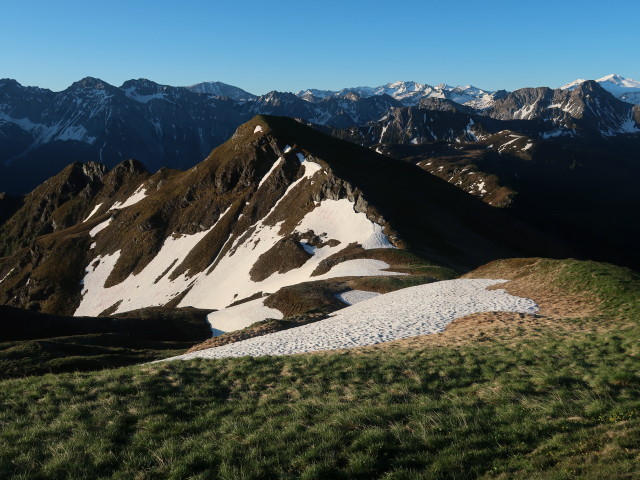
(336, 219)
(352, 297)
(275, 165)
(95, 209)
(138, 195)
(7, 275)
(98, 228)
(257, 129)
(420, 310)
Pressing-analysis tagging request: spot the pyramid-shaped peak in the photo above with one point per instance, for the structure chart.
(90, 82)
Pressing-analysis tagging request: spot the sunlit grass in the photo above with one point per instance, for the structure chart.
(562, 406)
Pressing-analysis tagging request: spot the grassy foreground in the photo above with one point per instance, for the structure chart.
(564, 403)
(563, 406)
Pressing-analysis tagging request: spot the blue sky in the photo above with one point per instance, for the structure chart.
(287, 46)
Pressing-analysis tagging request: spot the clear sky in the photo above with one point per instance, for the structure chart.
(292, 45)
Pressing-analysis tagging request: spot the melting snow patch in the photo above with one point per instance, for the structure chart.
(287, 149)
(275, 165)
(101, 226)
(138, 195)
(7, 275)
(95, 209)
(356, 296)
(405, 313)
(257, 129)
(241, 316)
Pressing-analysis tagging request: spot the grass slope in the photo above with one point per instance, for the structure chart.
(560, 407)
(565, 404)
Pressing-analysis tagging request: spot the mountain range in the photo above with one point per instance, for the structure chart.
(42, 131)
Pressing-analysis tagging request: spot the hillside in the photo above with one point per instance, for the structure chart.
(33, 343)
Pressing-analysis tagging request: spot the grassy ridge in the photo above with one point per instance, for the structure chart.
(615, 290)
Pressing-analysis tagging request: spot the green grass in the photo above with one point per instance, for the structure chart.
(563, 406)
(615, 287)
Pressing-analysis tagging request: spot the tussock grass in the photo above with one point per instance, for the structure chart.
(563, 406)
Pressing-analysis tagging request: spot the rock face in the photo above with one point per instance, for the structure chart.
(62, 201)
(586, 108)
(101, 241)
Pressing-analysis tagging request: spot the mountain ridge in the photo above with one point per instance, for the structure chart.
(277, 189)
(163, 126)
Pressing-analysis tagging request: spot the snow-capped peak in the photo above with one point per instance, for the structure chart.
(620, 81)
(625, 89)
(410, 93)
(572, 85)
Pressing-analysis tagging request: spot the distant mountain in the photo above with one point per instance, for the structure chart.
(410, 93)
(220, 89)
(587, 107)
(42, 131)
(625, 89)
(163, 126)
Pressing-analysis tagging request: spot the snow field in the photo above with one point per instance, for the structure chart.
(335, 219)
(405, 313)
